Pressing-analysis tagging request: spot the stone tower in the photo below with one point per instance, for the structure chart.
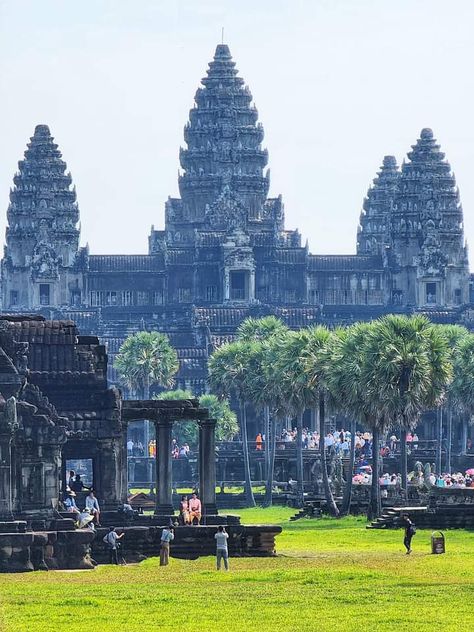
(223, 219)
(429, 257)
(373, 234)
(40, 262)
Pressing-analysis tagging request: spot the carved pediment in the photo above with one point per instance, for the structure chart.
(227, 212)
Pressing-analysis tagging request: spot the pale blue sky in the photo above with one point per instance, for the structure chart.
(338, 84)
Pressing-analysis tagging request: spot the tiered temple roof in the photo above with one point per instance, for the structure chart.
(43, 208)
(374, 224)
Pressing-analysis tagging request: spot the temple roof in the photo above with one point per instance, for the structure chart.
(125, 263)
(345, 263)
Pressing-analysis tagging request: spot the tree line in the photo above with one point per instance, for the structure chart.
(382, 375)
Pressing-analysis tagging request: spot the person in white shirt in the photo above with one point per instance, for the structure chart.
(222, 552)
(92, 504)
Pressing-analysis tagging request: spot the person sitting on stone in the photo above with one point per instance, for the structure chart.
(184, 510)
(77, 485)
(85, 520)
(92, 504)
(194, 509)
(70, 503)
(128, 510)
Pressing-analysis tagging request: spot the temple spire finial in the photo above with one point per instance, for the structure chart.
(222, 35)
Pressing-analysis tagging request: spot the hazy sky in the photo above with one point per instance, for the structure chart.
(338, 84)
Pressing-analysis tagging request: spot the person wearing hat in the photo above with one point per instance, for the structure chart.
(70, 503)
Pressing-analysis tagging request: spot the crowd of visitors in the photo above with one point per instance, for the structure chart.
(338, 441)
(136, 448)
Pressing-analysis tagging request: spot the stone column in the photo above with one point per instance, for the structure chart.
(6, 504)
(226, 284)
(252, 285)
(207, 466)
(164, 499)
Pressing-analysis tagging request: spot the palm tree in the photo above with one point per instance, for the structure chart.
(454, 335)
(145, 360)
(406, 373)
(264, 330)
(229, 373)
(219, 409)
(314, 358)
(266, 391)
(343, 359)
(462, 387)
(289, 365)
(260, 329)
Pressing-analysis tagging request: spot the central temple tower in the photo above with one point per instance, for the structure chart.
(224, 220)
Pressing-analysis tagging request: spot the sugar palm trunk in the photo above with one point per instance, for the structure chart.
(330, 503)
(266, 430)
(404, 464)
(449, 439)
(347, 498)
(299, 458)
(271, 465)
(464, 436)
(249, 498)
(375, 505)
(439, 439)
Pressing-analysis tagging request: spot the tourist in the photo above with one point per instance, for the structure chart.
(70, 479)
(85, 520)
(258, 442)
(70, 503)
(130, 446)
(92, 504)
(111, 540)
(194, 509)
(167, 536)
(128, 511)
(410, 531)
(184, 510)
(78, 486)
(222, 552)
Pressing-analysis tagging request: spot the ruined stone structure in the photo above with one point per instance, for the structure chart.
(224, 253)
(55, 405)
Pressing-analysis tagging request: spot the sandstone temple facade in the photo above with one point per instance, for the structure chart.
(225, 253)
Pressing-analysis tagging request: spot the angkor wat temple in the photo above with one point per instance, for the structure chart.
(224, 253)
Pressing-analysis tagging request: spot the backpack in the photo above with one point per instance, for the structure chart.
(106, 541)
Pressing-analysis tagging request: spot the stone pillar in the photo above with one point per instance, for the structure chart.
(207, 466)
(164, 499)
(252, 285)
(6, 504)
(226, 284)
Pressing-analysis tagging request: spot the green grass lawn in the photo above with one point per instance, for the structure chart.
(329, 575)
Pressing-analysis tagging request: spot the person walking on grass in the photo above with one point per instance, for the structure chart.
(111, 539)
(410, 531)
(222, 552)
(167, 536)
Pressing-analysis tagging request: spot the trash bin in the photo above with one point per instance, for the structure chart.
(437, 543)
